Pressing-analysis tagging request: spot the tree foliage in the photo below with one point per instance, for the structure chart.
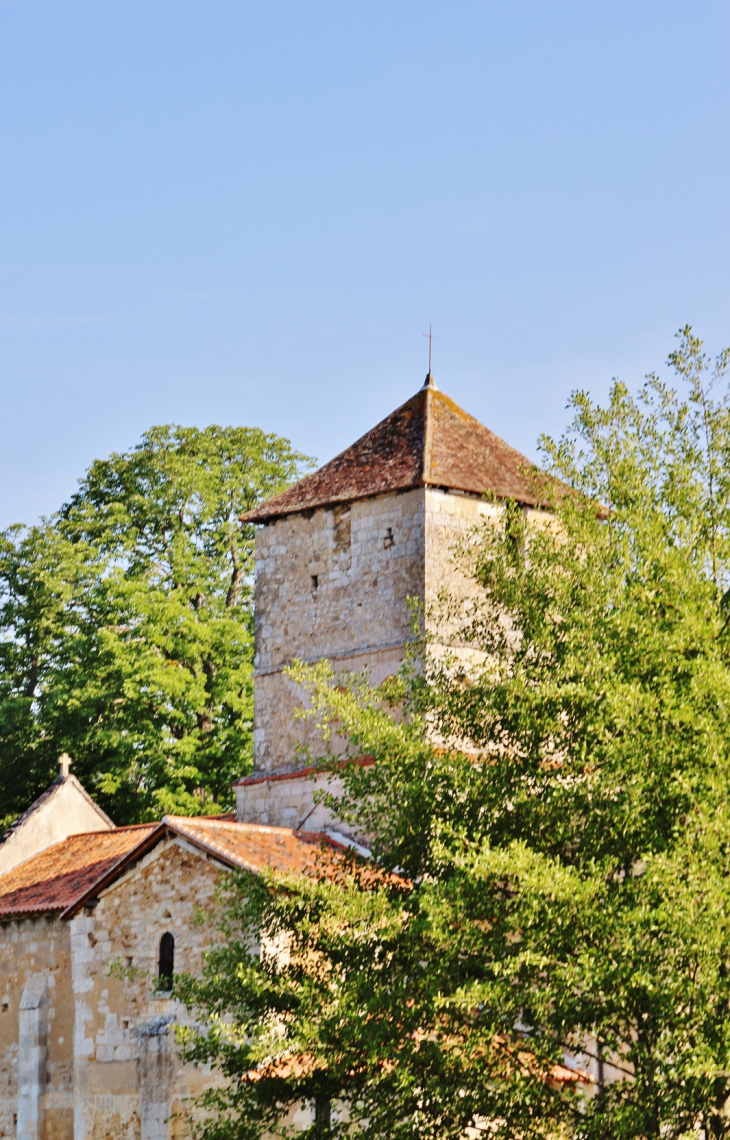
(126, 625)
(564, 874)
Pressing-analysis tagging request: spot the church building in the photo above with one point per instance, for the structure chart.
(95, 919)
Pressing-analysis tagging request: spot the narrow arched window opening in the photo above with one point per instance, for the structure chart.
(166, 967)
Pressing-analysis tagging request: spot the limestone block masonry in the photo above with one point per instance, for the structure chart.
(129, 1083)
(287, 800)
(339, 583)
(36, 1022)
(335, 583)
(32, 1056)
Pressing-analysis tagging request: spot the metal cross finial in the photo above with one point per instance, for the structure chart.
(431, 337)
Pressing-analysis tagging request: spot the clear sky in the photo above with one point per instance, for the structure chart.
(248, 212)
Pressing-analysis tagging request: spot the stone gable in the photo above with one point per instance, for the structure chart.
(128, 1079)
(64, 809)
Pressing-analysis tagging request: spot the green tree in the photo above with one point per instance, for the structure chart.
(564, 880)
(126, 625)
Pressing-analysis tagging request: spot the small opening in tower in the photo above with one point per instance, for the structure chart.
(315, 581)
(388, 540)
(167, 961)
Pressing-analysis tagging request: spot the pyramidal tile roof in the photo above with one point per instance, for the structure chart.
(428, 441)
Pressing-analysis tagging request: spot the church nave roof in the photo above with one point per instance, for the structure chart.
(63, 878)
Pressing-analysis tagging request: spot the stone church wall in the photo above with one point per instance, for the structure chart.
(129, 1081)
(331, 583)
(287, 800)
(36, 1028)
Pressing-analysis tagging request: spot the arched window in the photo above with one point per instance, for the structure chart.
(166, 967)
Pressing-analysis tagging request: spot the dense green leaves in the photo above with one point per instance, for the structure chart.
(126, 625)
(566, 866)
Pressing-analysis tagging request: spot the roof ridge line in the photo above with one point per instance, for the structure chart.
(112, 830)
(427, 433)
(267, 828)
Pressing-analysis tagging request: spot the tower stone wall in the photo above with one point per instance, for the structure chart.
(334, 583)
(339, 558)
(337, 583)
(451, 518)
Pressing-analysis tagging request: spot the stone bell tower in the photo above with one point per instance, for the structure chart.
(339, 555)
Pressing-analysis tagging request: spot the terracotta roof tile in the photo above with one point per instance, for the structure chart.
(296, 1066)
(66, 876)
(254, 847)
(62, 874)
(428, 441)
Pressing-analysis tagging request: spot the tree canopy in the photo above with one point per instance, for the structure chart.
(552, 955)
(126, 625)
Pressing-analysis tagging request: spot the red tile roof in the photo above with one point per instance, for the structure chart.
(291, 1066)
(62, 874)
(66, 876)
(428, 441)
(252, 846)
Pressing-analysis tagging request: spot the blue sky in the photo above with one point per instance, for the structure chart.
(234, 212)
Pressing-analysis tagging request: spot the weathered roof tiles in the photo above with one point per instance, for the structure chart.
(63, 878)
(428, 441)
(253, 846)
(60, 875)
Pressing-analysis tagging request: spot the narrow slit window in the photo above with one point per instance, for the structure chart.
(167, 961)
(315, 581)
